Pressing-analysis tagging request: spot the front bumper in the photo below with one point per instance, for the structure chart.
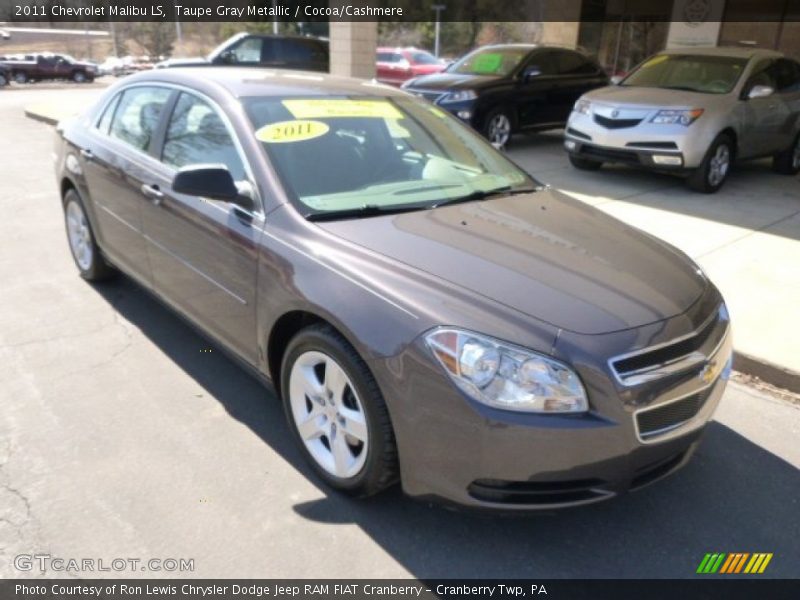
(667, 147)
(454, 449)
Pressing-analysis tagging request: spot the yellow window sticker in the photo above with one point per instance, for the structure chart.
(321, 108)
(656, 60)
(291, 131)
(438, 112)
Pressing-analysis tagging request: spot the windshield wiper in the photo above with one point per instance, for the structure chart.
(486, 194)
(359, 212)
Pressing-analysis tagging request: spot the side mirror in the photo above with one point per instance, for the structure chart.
(531, 73)
(616, 79)
(208, 181)
(760, 91)
(226, 58)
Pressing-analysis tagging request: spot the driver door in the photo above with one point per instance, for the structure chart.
(203, 252)
(762, 118)
(535, 85)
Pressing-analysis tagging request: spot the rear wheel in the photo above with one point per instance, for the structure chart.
(788, 161)
(20, 78)
(584, 164)
(79, 77)
(714, 169)
(3, 80)
(498, 127)
(82, 242)
(337, 413)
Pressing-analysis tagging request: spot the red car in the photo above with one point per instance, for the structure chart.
(396, 65)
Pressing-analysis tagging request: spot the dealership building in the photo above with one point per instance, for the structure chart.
(620, 33)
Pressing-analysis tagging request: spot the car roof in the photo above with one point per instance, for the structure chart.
(729, 51)
(243, 82)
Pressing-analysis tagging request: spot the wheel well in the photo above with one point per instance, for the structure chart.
(285, 328)
(66, 185)
(732, 134)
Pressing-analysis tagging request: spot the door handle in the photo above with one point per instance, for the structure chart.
(87, 154)
(152, 192)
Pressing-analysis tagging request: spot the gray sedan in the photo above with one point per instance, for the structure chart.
(425, 310)
(693, 112)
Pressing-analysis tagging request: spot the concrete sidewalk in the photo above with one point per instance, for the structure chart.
(746, 237)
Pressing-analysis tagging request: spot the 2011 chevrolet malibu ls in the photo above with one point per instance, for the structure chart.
(426, 311)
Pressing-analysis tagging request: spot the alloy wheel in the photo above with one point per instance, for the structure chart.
(719, 165)
(80, 236)
(499, 129)
(328, 414)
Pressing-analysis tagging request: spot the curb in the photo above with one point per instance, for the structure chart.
(781, 377)
(41, 117)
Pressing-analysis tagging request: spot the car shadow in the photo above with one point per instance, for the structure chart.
(754, 197)
(734, 496)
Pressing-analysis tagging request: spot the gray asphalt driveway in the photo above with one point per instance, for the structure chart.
(123, 433)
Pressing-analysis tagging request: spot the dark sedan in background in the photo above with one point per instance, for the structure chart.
(504, 89)
(426, 311)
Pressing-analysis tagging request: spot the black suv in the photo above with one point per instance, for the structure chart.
(503, 89)
(255, 50)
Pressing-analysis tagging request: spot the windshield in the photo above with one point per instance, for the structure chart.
(489, 61)
(706, 74)
(337, 154)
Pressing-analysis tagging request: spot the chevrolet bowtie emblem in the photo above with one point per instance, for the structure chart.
(710, 371)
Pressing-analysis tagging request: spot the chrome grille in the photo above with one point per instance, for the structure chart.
(672, 357)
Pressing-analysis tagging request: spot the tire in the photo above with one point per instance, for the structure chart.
(584, 164)
(713, 171)
(788, 161)
(79, 77)
(21, 78)
(82, 243)
(498, 126)
(3, 80)
(350, 442)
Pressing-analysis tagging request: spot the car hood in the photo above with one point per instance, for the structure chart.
(450, 81)
(544, 254)
(646, 97)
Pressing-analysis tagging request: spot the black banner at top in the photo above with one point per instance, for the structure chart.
(697, 11)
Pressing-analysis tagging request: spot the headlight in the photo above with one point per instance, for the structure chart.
(583, 106)
(459, 96)
(505, 376)
(677, 117)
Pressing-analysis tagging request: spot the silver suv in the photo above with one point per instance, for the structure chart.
(693, 112)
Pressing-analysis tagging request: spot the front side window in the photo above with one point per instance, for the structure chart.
(345, 153)
(705, 74)
(424, 58)
(489, 61)
(138, 114)
(247, 52)
(197, 135)
(572, 63)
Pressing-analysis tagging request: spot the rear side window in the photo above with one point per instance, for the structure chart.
(105, 120)
(572, 63)
(138, 114)
(196, 135)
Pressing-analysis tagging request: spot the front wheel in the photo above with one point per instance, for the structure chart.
(337, 413)
(788, 161)
(714, 169)
(498, 127)
(82, 242)
(3, 80)
(21, 78)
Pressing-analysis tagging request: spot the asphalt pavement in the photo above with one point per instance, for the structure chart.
(124, 434)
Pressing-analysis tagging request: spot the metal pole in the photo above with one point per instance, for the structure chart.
(438, 8)
(178, 32)
(274, 19)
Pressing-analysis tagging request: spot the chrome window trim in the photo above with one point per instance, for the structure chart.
(676, 365)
